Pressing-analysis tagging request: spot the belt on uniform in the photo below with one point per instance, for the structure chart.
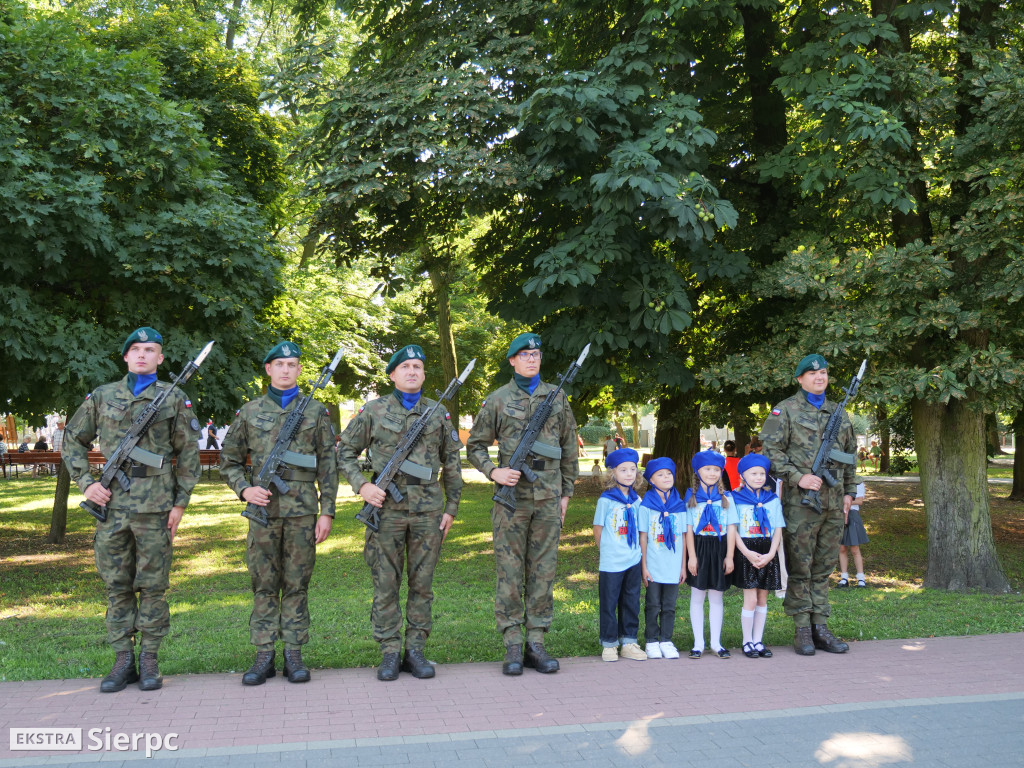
(296, 475)
(141, 470)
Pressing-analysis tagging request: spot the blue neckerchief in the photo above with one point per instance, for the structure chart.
(757, 499)
(283, 396)
(666, 508)
(707, 515)
(616, 494)
(408, 400)
(816, 400)
(138, 382)
(525, 384)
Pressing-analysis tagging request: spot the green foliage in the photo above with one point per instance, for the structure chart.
(114, 213)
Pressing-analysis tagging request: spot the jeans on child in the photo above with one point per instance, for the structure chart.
(619, 595)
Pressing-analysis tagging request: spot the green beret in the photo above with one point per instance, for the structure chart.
(408, 352)
(284, 349)
(145, 335)
(523, 341)
(810, 363)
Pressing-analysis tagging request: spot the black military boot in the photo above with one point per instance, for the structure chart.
(513, 664)
(388, 669)
(150, 678)
(123, 673)
(294, 669)
(802, 642)
(538, 658)
(261, 669)
(416, 663)
(826, 641)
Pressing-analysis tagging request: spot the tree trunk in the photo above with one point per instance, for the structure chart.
(619, 429)
(954, 486)
(59, 515)
(742, 437)
(992, 444)
(236, 12)
(884, 434)
(678, 432)
(446, 339)
(1017, 491)
(635, 418)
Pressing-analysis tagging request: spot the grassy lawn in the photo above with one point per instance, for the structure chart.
(52, 602)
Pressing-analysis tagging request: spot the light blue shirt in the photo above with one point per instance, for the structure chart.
(664, 565)
(726, 517)
(616, 554)
(748, 527)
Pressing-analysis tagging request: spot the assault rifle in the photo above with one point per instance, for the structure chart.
(269, 473)
(127, 455)
(828, 455)
(369, 515)
(529, 448)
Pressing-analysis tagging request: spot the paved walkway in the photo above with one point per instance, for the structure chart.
(956, 701)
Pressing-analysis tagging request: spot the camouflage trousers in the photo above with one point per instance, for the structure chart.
(281, 558)
(812, 548)
(404, 536)
(133, 555)
(526, 555)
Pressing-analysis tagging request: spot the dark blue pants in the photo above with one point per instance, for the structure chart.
(619, 595)
(660, 612)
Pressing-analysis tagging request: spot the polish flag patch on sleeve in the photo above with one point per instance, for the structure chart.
(776, 411)
(188, 403)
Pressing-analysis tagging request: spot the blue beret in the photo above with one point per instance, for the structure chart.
(284, 349)
(752, 460)
(408, 352)
(144, 335)
(662, 462)
(523, 341)
(810, 363)
(620, 456)
(707, 459)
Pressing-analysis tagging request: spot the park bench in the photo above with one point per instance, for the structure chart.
(15, 462)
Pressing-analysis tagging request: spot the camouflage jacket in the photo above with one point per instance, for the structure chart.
(791, 435)
(504, 416)
(107, 414)
(379, 426)
(253, 433)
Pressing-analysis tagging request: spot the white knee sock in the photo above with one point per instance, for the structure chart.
(747, 622)
(716, 612)
(697, 617)
(760, 617)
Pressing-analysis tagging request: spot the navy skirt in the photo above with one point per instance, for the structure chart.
(710, 564)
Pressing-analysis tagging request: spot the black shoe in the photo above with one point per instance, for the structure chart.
(261, 669)
(763, 651)
(416, 664)
(750, 651)
(723, 653)
(803, 644)
(388, 669)
(294, 669)
(513, 664)
(826, 641)
(695, 654)
(150, 678)
(539, 659)
(842, 583)
(122, 673)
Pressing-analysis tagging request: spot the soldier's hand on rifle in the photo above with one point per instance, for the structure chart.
(97, 494)
(446, 525)
(323, 528)
(256, 495)
(173, 519)
(506, 476)
(372, 494)
(810, 482)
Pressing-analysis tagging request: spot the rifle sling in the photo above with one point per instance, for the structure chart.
(140, 470)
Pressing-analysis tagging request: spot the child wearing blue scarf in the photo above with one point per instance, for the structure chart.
(662, 524)
(757, 550)
(617, 536)
(710, 540)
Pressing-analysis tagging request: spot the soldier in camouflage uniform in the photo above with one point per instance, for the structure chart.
(281, 555)
(791, 436)
(526, 541)
(414, 528)
(133, 545)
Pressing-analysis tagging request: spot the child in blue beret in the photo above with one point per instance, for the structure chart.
(618, 580)
(710, 540)
(757, 550)
(662, 524)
